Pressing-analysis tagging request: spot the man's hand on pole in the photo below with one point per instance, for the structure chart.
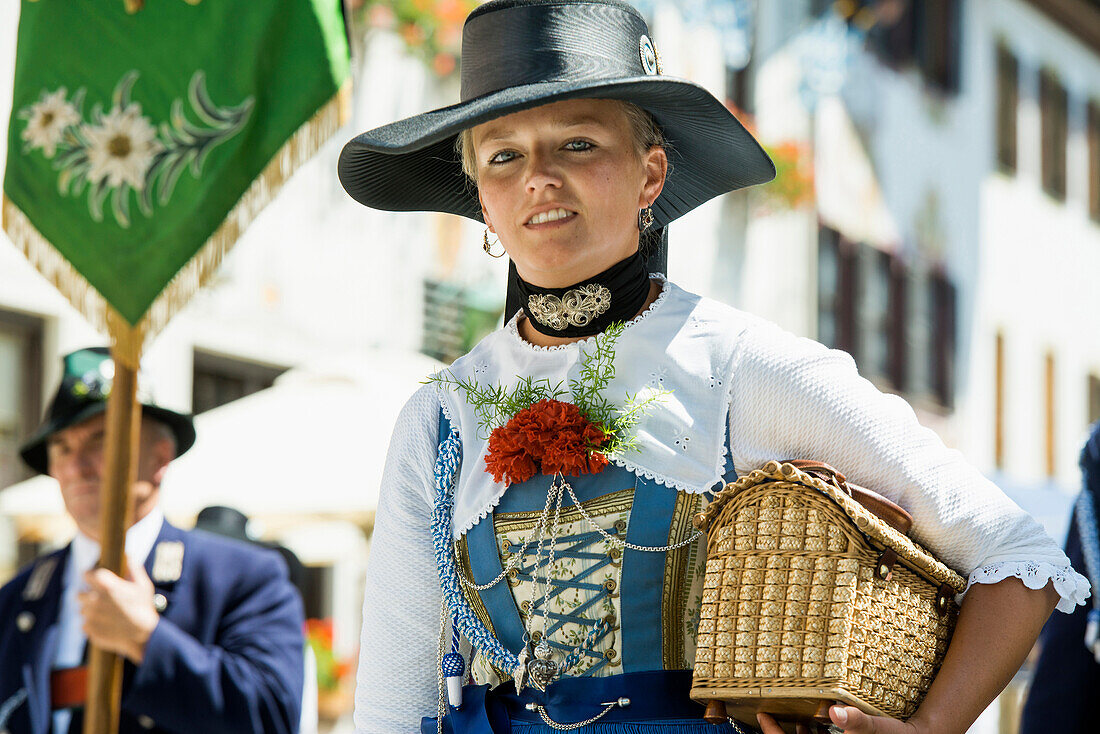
(119, 614)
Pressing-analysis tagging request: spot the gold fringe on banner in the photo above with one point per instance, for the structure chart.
(129, 340)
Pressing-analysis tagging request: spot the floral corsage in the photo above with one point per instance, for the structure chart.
(532, 430)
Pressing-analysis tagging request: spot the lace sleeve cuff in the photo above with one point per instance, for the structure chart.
(1072, 587)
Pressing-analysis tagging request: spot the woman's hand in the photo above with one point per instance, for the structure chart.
(848, 719)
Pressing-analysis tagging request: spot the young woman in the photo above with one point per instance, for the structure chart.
(529, 459)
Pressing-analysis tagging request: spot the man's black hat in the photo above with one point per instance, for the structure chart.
(85, 384)
(518, 54)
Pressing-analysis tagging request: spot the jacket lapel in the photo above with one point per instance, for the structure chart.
(37, 645)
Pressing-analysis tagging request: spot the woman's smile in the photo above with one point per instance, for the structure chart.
(555, 216)
(561, 186)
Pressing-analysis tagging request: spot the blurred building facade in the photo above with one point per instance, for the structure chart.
(937, 215)
(954, 234)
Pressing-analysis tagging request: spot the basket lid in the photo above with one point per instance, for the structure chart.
(877, 531)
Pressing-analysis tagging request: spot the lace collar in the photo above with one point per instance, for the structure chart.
(682, 343)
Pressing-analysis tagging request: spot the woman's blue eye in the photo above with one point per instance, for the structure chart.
(578, 145)
(502, 157)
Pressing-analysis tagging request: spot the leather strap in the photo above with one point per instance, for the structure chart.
(69, 687)
(889, 512)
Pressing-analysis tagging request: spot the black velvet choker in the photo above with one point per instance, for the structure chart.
(589, 307)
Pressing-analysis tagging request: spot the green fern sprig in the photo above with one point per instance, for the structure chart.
(596, 371)
(495, 405)
(623, 439)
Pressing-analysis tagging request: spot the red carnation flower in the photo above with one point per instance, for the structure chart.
(550, 435)
(507, 461)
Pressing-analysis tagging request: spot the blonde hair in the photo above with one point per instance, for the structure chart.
(643, 128)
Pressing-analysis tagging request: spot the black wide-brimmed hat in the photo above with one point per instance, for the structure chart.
(518, 54)
(85, 386)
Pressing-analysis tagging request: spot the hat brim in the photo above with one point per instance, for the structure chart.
(34, 453)
(412, 164)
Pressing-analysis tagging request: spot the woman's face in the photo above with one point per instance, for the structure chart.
(561, 186)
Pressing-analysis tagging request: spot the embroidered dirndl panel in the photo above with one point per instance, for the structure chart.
(582, 622)
(584, 580)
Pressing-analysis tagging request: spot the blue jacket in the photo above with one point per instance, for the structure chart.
(226, 656)
(1066, 685)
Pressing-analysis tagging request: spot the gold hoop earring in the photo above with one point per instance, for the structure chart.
(645, 218)
(488, 247)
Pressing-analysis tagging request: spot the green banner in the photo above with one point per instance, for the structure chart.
(140, 145)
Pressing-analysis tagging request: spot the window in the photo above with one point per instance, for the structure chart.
(217, 379)
(1053, 112)
(1008, 97)
(898, 363)
(897, 320)
(838, 291)
(884, 321)
(893, 37)
(1049, 415)
(999, 401)
(1094, 160)
(942, 293)
(739, 88)
(20, 390)
(937, 24)
(924, 33)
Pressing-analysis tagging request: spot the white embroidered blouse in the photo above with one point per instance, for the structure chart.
(779, 397)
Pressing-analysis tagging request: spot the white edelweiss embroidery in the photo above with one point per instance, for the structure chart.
(577, 307)
(122, 152)
(121, 147)
(715, 382)
(47, 120)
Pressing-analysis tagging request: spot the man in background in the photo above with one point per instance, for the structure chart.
(1066, 685)
(210, 629)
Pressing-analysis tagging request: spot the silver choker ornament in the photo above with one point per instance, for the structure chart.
(576, 307)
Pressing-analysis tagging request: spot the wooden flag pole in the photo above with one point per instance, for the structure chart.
(101, 713)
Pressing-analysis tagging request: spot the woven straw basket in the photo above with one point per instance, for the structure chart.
(809, 598)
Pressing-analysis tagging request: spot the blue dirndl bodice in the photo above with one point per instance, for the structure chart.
(622, 619)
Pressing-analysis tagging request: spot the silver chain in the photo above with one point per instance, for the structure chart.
(442, 708)
(576, 725)
(555, 490)
(736, 726)
(622, 543)
(516, 559)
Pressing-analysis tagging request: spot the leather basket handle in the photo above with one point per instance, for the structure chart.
(889, 512)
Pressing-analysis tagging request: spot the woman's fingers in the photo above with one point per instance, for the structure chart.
(853, 721)
(849, 719)
(768, 725)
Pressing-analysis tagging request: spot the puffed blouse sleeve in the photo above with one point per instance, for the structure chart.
(793, 398)
(396, 683)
